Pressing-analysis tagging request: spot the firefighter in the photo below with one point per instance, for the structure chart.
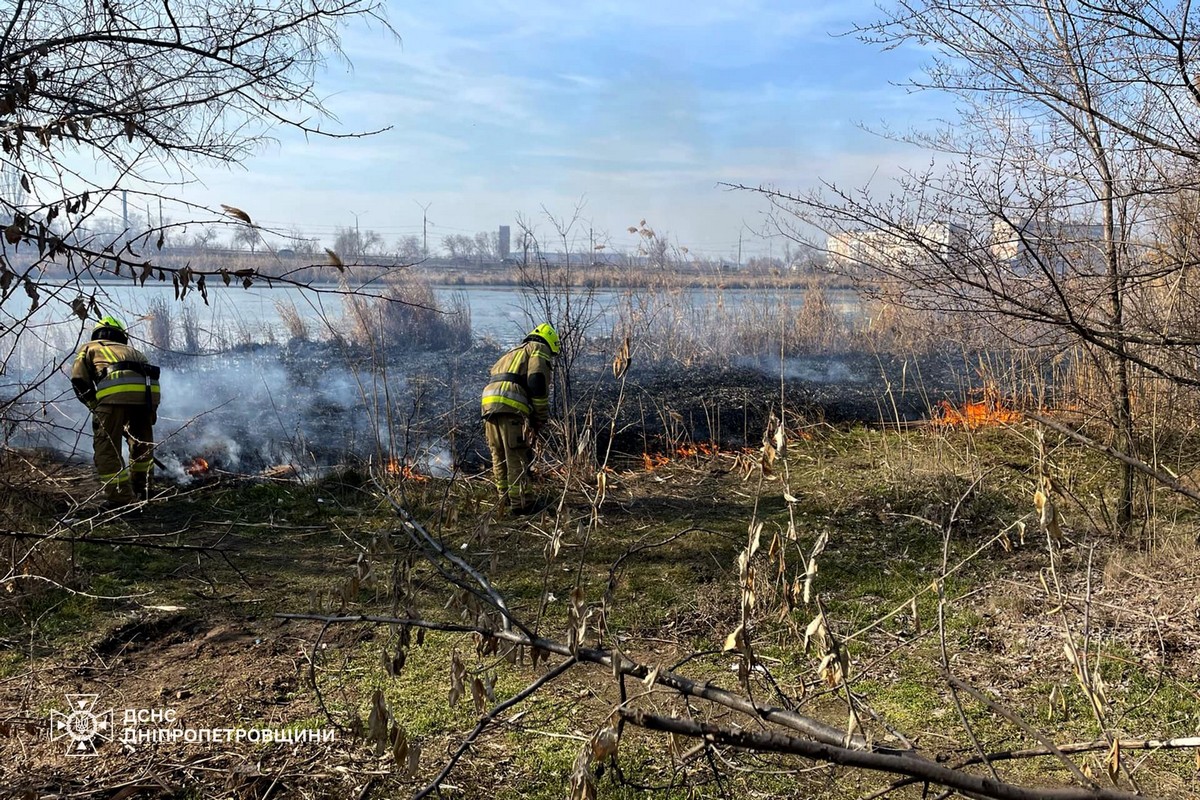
(120, 387)
(516, 406)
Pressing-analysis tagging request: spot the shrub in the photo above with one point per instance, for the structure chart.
(407, 314)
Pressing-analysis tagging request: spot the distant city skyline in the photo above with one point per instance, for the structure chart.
(497, 111)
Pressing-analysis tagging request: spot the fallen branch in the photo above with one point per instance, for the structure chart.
(113, 542)
(920, 769)
(821, 731)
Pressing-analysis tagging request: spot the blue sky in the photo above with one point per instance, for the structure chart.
(637, 111)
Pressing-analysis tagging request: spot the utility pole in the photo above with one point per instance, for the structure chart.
(739, 249)
(358, 242)
(424, 228)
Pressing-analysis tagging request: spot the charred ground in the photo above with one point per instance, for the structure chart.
(313, 406)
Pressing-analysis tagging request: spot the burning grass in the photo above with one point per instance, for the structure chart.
(988, 411)
(396, 468)
(196, 466)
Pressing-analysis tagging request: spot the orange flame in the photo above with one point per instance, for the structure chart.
(697, 449)
(400, 469)
(196, 467)
(989, 411)
(652, 461)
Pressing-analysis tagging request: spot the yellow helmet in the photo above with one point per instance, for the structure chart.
(109, 321)
(109, 327)
(546, 333)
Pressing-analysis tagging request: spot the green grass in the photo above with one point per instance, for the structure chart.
(884, 498)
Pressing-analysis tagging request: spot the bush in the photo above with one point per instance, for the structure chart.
(408, 315)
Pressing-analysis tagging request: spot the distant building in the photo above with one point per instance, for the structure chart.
(932, 240)
(505, 242)
(1030, 246)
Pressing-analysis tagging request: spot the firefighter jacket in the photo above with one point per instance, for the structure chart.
(110, 373)
(519, 383)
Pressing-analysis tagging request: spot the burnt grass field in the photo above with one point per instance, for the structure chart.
(929, 549)
(303, 405)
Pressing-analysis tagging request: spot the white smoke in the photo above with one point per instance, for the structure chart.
(242, 412)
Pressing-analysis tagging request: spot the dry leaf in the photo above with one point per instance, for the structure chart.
(478, 695)
(816, 633)
(755, 537)
(621, 361)
(377, 723)
(399, 745)
(809, 574)
(237, 212)
(736, 640)
(604, 743)
(457, 674)
(582, 785)
(414, 759)
(335, 260)
(1113, 763)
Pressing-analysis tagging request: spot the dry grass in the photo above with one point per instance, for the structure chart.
(161, 317)
(294, 322)
(408, 314)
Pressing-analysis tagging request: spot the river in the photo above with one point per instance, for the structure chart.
(236, 316)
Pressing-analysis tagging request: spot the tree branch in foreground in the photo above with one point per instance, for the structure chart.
(777, 742)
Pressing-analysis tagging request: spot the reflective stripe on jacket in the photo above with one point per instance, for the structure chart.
(136, 384)
(520, 382)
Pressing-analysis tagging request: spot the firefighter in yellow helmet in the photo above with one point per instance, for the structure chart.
(516, 406)
(120, 386)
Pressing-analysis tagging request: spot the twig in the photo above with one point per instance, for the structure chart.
(488, 719)
(941, 612)
(1139, 465)
(32, 577)
(996, 708)
(418, 534)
